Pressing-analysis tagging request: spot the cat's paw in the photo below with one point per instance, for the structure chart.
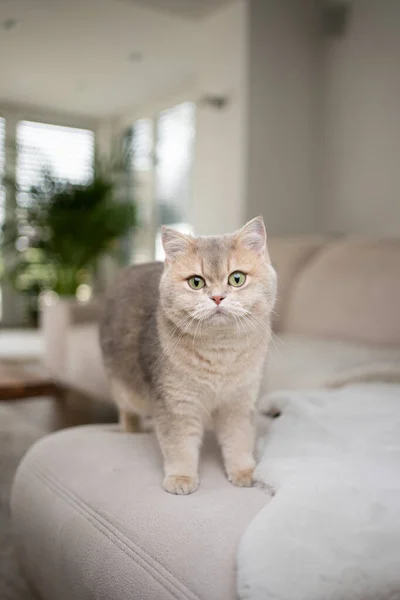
(180, 484)
(243, 478)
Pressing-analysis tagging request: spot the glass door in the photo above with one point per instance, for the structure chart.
(160, 161)
(174, 149)
(140, 159)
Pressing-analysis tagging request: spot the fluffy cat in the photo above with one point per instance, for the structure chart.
(184, 343)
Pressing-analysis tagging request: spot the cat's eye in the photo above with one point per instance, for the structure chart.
(196, 282)
(236, 279)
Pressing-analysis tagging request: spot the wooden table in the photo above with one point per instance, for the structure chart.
(20, 381)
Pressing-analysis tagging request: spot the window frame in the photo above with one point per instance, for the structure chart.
(152, 111)
(12, 313)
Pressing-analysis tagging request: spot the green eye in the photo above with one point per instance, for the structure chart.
(237, 279)
(196, 282)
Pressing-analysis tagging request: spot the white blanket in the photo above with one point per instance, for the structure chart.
(332, 531)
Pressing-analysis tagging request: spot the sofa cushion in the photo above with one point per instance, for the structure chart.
(299, 362)
(289, 255)
(349, 291)
(92, 521)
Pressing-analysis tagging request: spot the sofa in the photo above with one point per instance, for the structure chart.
(90, 516)
(337, 303)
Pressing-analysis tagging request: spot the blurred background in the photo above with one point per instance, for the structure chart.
(117, 116)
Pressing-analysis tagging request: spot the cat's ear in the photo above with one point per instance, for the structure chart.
(253, 236)
(174, 242)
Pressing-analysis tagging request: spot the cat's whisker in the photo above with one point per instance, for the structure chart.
(247, 322)
(272, 334)
(237, 323)
(279, 338)
(255, 322)
(172, 351)
(195, 333)
(269, 331)
(275, 345)
(201, 323)
(244, 329)
(237, 326)
(262, 324)
(178, 326)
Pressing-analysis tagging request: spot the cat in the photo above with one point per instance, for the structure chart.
(185, 342)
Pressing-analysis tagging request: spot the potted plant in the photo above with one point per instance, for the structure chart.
(60, 230)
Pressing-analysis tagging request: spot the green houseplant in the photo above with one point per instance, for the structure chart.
(60, 230)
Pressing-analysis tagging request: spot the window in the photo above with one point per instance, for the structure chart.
(160, 158)
(68, 153)
(174, 152)
(141, 145)
(174, 161)
(2, 169)
(139, 152)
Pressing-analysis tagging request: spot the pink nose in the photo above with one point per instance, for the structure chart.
(217, 299)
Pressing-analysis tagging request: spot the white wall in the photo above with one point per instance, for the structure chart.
(362, 156)
(284, 113)
(220, 169)
(219, 53)
(324, 119)
(311, 137)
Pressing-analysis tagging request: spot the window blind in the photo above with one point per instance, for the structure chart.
(141, 145)
(67, 152)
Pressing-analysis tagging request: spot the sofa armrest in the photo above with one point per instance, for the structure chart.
(57, 316)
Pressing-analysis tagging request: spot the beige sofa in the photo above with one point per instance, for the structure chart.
(331, 290)
(90, 516)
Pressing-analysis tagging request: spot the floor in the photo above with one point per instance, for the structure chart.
(22, 422)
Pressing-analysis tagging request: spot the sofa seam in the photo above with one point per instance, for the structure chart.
(82, 507)
(92, 516)
(52, 485)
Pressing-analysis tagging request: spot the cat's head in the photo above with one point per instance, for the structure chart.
(218, 280)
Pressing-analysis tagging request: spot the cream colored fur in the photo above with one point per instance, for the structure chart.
(202, 362)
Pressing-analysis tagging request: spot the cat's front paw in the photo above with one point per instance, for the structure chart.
(243, 478)
(180, 484)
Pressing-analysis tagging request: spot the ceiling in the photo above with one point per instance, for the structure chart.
(96, 57)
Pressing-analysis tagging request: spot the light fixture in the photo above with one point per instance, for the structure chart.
(214, 101)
